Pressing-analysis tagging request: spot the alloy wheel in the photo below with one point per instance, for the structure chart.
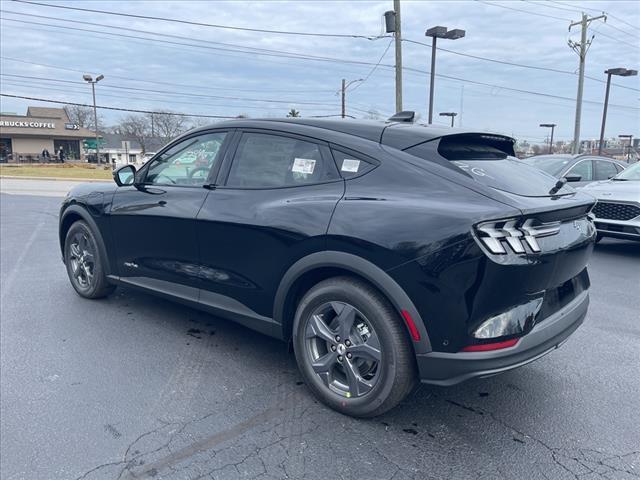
(344, 349)
(82, 260)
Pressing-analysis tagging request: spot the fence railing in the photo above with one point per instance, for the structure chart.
(33, 158)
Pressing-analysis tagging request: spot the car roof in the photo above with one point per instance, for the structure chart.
(399, 135)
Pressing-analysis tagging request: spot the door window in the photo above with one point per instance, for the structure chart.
(188, 162)
(584, 169)
(272, 161)
(605, 170)
(351, 165)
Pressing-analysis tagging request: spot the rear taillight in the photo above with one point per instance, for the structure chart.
(514, 234)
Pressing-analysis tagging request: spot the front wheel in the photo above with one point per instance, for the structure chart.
(352, 348)
(84, 262)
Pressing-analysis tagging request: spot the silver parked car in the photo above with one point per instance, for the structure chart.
(580, 170)
(617, 213)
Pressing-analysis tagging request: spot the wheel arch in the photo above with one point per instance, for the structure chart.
(74, 213)
(316, 267)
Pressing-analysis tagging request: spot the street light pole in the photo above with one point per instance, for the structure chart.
(343, 91)
(435, 33)
(623, 72)
(89, 79)
(432, 80)
(449, 114)
(553, 127)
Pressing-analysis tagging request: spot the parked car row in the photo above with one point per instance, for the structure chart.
(616, 188)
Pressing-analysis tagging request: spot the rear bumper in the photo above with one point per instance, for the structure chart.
(450, 368)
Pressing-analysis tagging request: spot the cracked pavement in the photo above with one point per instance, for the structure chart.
(135, 387)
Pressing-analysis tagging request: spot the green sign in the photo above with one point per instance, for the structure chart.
(90, 143)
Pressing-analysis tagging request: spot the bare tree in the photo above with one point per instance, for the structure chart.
(82, 116)
(167, 126)
(137, 127)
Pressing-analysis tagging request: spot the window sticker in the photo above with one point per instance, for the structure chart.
(350, 165)
(303, 165)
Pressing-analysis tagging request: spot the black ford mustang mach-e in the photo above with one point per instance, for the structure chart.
(386, 252)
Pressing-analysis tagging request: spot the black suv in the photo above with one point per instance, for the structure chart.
(386, 252)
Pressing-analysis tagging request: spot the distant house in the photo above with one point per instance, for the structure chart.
(122, 149)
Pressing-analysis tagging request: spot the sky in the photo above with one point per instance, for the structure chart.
(218, 71)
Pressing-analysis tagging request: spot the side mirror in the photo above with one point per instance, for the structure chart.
(573, 177)
(125, 175)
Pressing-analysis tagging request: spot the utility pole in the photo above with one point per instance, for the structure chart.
(581, 49)
(398, 44)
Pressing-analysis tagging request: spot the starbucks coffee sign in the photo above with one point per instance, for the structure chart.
(12, 123)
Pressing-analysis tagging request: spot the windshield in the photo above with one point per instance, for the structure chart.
(631, 173)
(551, 165)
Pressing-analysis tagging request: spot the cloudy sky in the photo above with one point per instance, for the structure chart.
(158, 65)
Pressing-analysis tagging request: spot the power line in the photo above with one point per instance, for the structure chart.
(523, 11)
(252, 49)
(271, 52)
(375, 66)
(103, 107)
(29, 83)
(202, 24)
(409, 69)
(614, 38)
(599, 11)
(244, 99)
(513, 64)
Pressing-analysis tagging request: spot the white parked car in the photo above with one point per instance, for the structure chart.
(617, 213)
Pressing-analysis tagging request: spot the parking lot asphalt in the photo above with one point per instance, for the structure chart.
(135, 387)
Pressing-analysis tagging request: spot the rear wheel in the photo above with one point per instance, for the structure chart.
(352, 348)
(84, 262)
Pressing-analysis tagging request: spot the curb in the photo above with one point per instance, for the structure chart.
(58, 179)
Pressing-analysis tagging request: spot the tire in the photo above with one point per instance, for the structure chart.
(355, 385)
(84, 262)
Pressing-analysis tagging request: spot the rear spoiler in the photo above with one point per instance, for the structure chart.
(405, 116)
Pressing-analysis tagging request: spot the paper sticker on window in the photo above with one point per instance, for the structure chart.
(303, 165)
(349, 165)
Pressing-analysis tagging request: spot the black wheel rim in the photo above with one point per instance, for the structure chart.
(82, 260)
(344, 349)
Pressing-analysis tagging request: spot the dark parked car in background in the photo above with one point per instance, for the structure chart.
(387, 253)
(579, 170)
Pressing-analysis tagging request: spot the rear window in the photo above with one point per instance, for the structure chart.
(490, 160)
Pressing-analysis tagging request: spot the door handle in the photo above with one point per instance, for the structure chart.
(162, 203)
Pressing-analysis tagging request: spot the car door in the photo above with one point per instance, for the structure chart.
(604, 170)
(273, 208)
(584, 168)
(153, 222)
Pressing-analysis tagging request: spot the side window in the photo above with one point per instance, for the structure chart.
(605, 170)
(584, 169)
(188, 162)
(351, 165)
(272, 161)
